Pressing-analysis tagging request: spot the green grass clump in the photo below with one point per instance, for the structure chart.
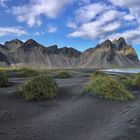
(133, 82)
(96, 73)
(39, 88)
(8, 69)
(3, 79)
(63, 74)
(136, 80)
(122, 77)
(104, 86)
(27, 72)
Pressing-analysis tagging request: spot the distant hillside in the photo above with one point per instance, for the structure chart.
(32, 54)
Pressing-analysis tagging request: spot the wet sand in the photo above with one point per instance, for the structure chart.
(70, 116)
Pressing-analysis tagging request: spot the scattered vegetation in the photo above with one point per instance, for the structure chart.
(39, 88)
(98, 73)
(28, 72)
(21, 72)
(8, 69)
(63, 74)
(3, 79)
(133, 82)
(104, 86)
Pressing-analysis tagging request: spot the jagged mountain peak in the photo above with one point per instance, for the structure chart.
(14, 40)
(121, 39)
(13, 44)
(31, 42)
(65, 50)
(120, 43)
(116, 44)
(106, 44)
(3, 47)
(70, 48)
(69, 51)
(52, 49)
(32, 54)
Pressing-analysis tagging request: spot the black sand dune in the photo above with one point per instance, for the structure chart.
(70, 116)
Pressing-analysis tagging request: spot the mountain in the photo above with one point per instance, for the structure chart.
(125, 49)
(13, 44)
(33, 54)
(108, 54)
(6, 57)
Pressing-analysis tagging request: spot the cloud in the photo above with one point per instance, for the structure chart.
(91, 19)
(51, 29)
(132, 36)
(103, 25)
(38, 33)
(2, 2)
(18, 31)
(31, 13)
(129, 17)
(94, 30)
(112, 27)
(126, 3)
(85, 1)
(99, 20)
(109, 16)
(71, 24)
(85, 13)
(132, 5)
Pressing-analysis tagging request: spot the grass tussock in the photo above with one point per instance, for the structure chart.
(104, 86)
(8, 69)
(63, 74)
(39, 88)
(25, 72)
(3, 79)
(28, 72)
(96, 73)
(133, 82)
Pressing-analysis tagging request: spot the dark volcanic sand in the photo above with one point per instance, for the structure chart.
(70, 116)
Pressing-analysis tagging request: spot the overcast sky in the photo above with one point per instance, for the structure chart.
(76, 23)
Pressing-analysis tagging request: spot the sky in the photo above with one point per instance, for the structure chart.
(80, 24)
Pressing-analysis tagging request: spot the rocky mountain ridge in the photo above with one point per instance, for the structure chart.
(108, 54)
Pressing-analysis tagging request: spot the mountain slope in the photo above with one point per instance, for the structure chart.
(13, 44)
(6, 58)
(110, 54)
(32, 54)
(125, 49)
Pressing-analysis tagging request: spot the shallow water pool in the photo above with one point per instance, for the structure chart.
(123, 70)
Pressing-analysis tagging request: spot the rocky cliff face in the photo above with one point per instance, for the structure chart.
(110, 54)
(6, 57)
(125, 49)
(32, 54)
(13, 44)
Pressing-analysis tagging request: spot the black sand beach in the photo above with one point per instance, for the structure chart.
(70, 116)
